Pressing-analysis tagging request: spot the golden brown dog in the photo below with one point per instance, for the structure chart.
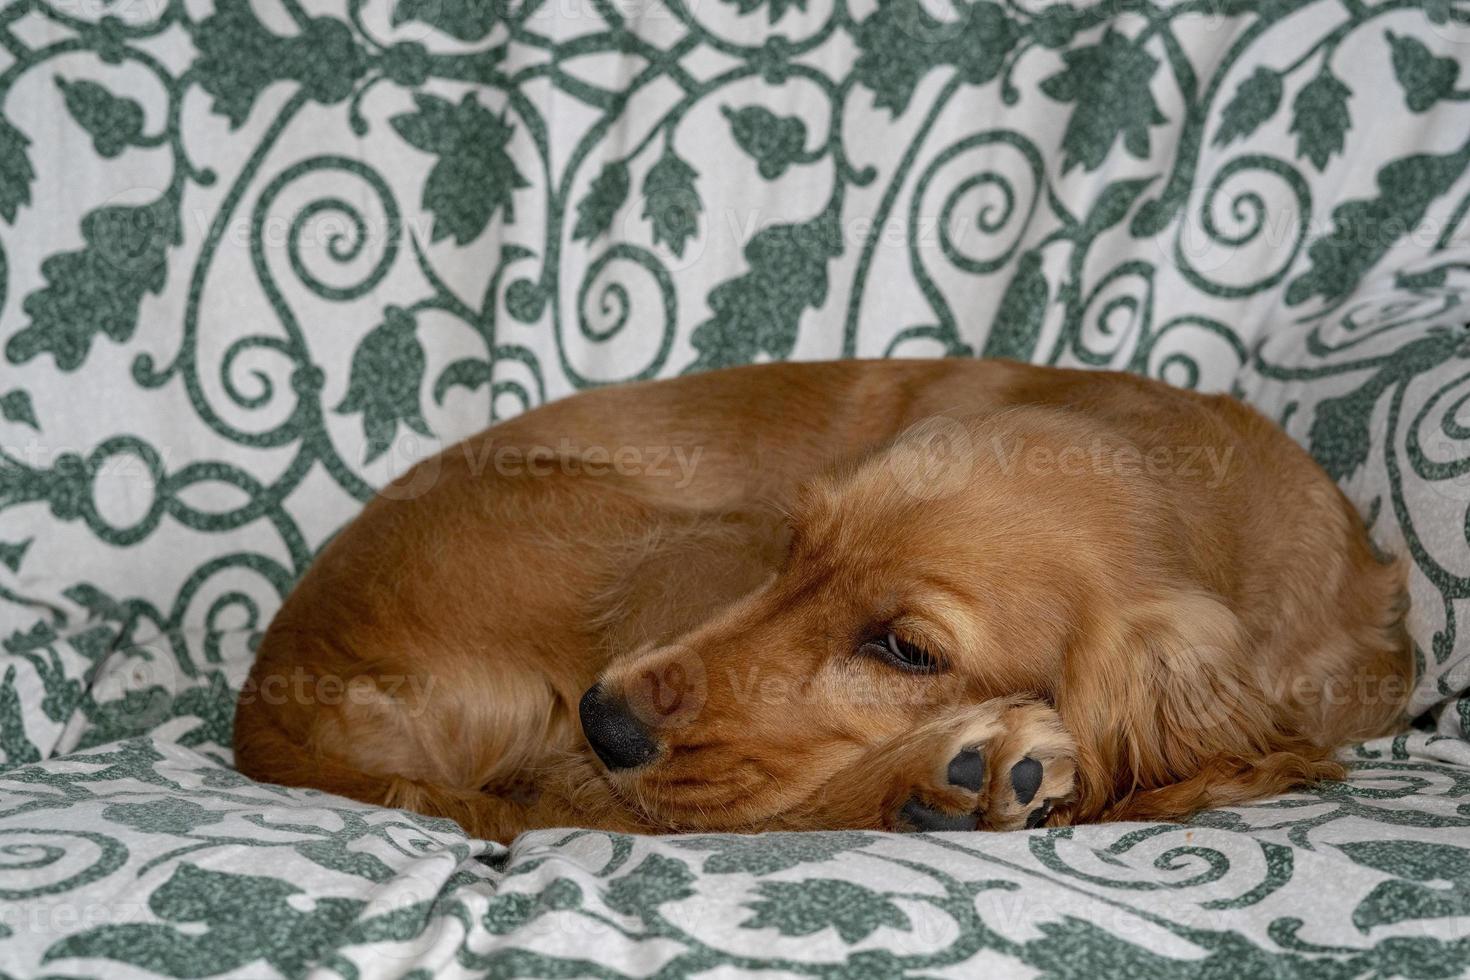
(895, 594)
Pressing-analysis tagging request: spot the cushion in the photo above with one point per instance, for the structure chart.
(1378, 392)
(258, 258)
(147, 858)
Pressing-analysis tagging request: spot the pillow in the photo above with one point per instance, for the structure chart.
(1379, 392)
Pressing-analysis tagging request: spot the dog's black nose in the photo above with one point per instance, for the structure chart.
(612, 731)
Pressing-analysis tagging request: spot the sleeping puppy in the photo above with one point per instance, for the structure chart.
(901, 595)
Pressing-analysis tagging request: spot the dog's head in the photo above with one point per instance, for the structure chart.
(944, 570)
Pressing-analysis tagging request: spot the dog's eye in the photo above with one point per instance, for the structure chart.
(902, 654)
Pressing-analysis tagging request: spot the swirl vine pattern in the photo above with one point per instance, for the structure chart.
(258, 257)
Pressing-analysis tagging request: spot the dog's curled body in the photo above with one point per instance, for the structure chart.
(868, 594)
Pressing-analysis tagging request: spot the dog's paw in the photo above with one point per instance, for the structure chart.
(1004, 765)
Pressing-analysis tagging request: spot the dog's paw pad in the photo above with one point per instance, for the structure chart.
(967, 770)
(1001, 765)
(923, 818)
(1026, 779)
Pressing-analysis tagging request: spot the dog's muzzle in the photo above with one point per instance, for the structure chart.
(619, 739)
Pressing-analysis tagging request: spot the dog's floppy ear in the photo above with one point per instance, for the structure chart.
(1167, 714)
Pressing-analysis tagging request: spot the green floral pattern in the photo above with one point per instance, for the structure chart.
(257, 258)
(146, 855)
(1377, 394)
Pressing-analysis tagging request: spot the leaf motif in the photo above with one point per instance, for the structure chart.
(326, 60)
(475, 176)
(1108, 83)
(774, 142)
(1265, 10)
(239, 57)
(387, 372)
(775, 9)
(334, 854)
(62, 692)
(1438, 11)
(66, 486)
(433, 126)
(897, 50)
(801, 908)
(759, 311)
(1425, 78)
(164, 816)
(16, 407)
(471, 373)
(598, 207)
(465, 20)
(1427, 279)
(671, 202)
(16, 173)
(901, 43)
(1414, 859)
(1320, 118)
(167, 949)
(98, 289)
(509, 911)
(1340, 438)
(1364, 230)
(98, 604)
(768, 853)
(241, 914)
(1113, 204)
(1064, 942)
(641, 891)
(1056, 24)
(1255, 100)
(16, 747)
(979, 51)
(562, 893)
(1022, 311)
(114, 123)
(12, 553)
(1400, 901)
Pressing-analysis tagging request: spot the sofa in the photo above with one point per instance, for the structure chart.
(259, 256)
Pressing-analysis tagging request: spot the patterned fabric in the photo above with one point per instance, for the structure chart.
(146, 855)
(1379, 394)
(258, 257)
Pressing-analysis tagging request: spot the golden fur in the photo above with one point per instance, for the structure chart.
(1153, 592)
